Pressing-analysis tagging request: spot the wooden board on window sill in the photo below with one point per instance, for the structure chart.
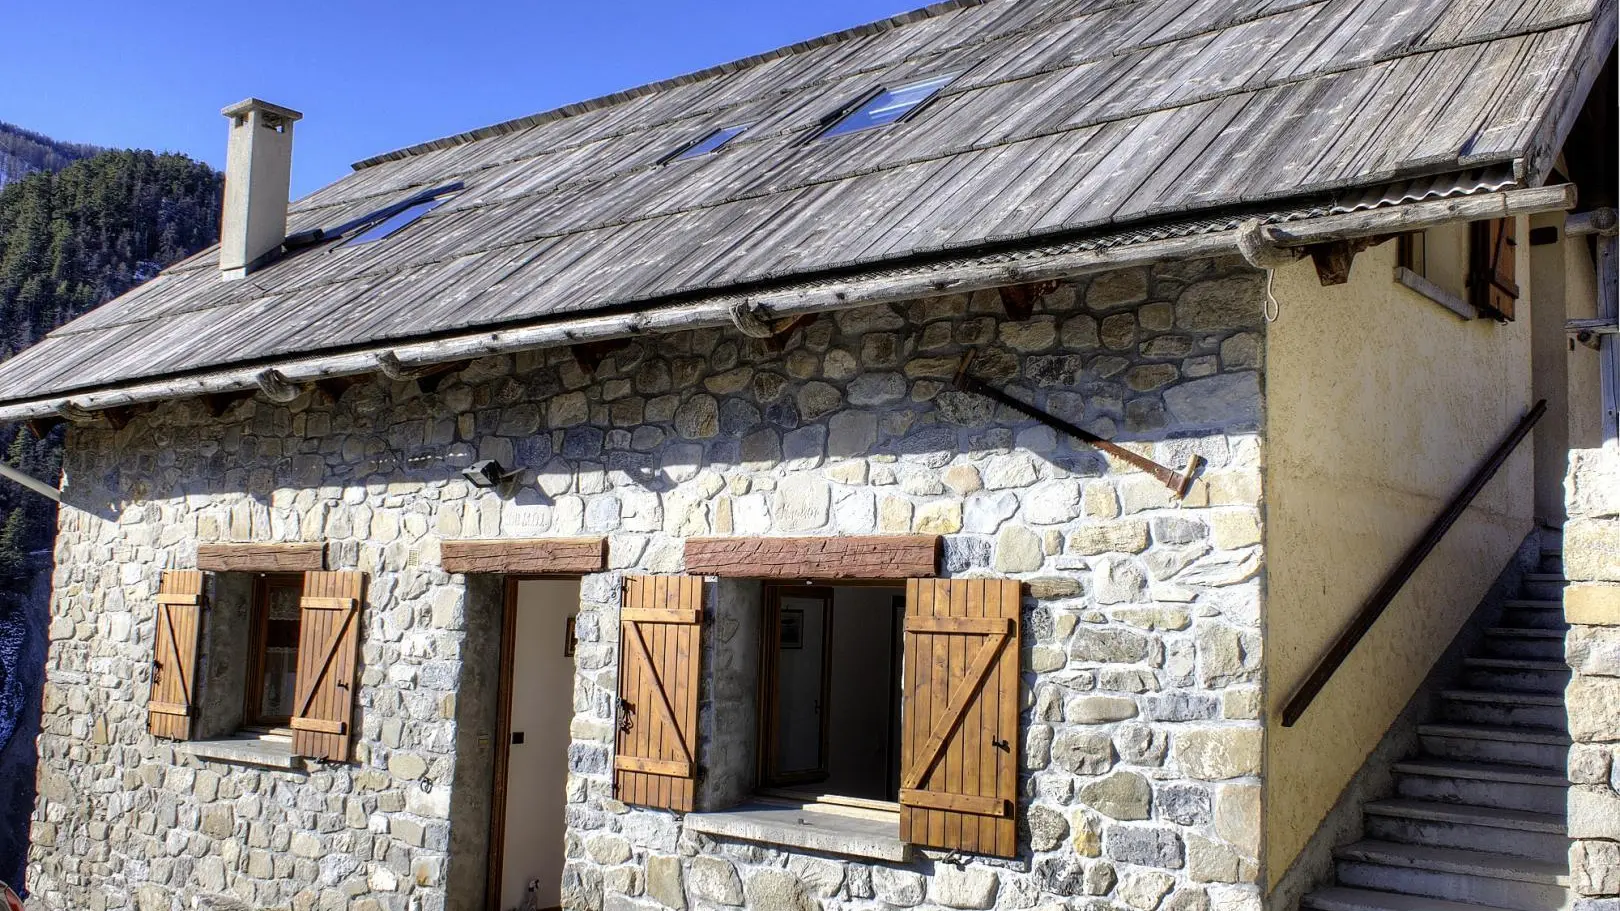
(854, 557)
(261, 558)
(523, 557)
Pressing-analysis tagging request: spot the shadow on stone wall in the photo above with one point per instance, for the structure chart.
(24, 614)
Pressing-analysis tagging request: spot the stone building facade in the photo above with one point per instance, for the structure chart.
(1140, 729)
(1592, 607)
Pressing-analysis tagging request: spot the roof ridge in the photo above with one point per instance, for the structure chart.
(880, 26)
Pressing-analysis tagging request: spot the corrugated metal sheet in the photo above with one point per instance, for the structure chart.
(1075, 119)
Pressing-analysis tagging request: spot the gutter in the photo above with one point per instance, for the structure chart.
(1265, 246)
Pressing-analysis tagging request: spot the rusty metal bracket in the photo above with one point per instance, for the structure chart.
(1019, 300)
(1178, 482)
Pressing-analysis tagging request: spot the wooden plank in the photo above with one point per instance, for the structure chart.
(169, 708)
(974, 623)
(665, 767)
(320, 725)
(659, 615)
(856, 557)
(311, 602)
(535, 556)
(261, 558)
(188, 599)
(957, 803)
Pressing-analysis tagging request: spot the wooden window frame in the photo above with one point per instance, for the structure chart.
(259, 621)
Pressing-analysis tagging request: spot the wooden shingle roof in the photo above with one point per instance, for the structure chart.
(1071, 117)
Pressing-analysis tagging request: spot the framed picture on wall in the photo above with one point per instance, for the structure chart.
(568, 638)
(792, 628)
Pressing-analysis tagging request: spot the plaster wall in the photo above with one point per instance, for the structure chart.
(1379, 404)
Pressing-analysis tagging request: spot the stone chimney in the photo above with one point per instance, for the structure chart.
(258, 175)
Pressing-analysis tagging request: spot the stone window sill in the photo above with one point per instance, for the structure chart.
(1425, 288)
(266, 751)
(868, 835)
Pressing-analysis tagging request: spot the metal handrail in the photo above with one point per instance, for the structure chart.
(1375, 605)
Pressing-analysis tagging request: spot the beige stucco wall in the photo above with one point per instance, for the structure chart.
(1379, 403)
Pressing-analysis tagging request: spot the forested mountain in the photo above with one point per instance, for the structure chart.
(23, 152)
(69, 240)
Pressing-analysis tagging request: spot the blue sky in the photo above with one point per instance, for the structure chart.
(369, 76)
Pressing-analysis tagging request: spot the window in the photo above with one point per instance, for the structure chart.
(830, 691)
(396, 221)
(1466, 268)
(886, 106)
(710, 143)
(273, 651)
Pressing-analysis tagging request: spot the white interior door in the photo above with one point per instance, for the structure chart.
(537, 757)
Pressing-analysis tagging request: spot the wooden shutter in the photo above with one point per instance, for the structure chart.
(660, 627)
(171, 707)
(1492, 285)
(959, 737)
(328, 664)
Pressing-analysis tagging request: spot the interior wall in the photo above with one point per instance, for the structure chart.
(728, 711)
(1550, 356)
(1379, 404)
(799, 668)
(863, 681)
(537, 768)
(223, 656)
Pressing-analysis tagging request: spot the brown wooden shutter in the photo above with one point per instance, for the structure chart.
(1492, 285)
(660, 627)
(328, 664)
(171, 707)
(959, 738)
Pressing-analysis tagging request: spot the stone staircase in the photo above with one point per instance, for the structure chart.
(1477, 820)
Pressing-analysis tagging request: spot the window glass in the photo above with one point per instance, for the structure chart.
(710, 143)
(888, 105)
(396, 221)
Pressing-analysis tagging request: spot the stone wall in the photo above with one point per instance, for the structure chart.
(1592, 606)
(1141, 731)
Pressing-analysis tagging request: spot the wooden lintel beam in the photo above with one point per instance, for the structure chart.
(1019, 300)
(532, 556)
(855, 557)
(590, 355)
(119, 417)
(261, 558)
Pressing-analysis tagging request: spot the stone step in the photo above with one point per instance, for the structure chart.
(1495, 831)
(1537, 644)
(1533, 613)
(1537, 747)
(1543, 585)
(1482, 784)
(1339, 898)
(1503, 709)
(1516, 674)
(1453, 874)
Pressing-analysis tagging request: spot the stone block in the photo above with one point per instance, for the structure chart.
(1214, 754)
(1099, 709)
(1594, 812)
(1144, 889)
(1595, 868)
(968, 888)
(1593, 706)
(1018, 550)
(1592, 604)
(1122, 795)
(901, 888)
(1129, 536)
(777, 890)
(1145, 846)
(1592, 486)
(1593, 650)
(1047, 828)
(1592, 550)
(1082, 752)
(665, 883)
(715, 880)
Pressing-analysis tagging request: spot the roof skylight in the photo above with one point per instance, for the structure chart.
(886, 106)
(398, 220)
(709, 143)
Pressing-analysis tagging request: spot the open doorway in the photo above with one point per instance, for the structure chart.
(531, 771)
(831, 691)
